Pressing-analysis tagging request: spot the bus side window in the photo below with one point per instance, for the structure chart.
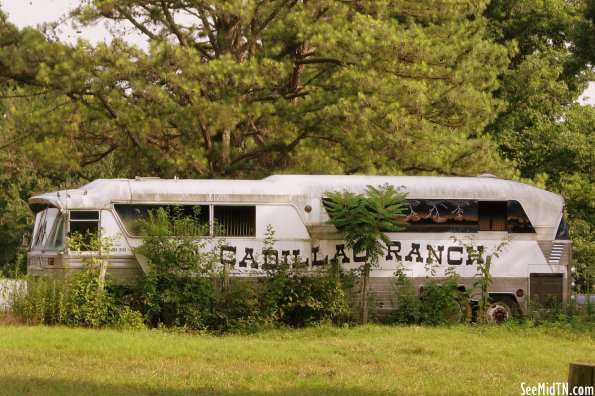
(132, 215)
(517, 220)
(492, 215)
(85, 223)
(563, 232)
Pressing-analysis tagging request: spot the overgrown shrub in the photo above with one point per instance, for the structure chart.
(300, 298)
(74, 301)
(178, 291)
(89, 303)
(408, 306)
(241, 309)
(438, 302)
(186, 286)
(128, 319)
(554, 311)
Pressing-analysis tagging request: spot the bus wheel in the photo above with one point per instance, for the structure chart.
(498, 312)
(454, 314)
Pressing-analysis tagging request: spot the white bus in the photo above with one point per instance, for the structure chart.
(536, 262)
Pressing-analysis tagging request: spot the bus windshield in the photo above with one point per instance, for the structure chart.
(48, 232)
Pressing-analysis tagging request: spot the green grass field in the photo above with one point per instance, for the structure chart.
(370, 360)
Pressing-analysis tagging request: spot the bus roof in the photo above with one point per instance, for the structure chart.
(542, 207)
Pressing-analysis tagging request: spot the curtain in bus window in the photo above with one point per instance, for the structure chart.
(499, 219)
(492, 215)
(235, 220)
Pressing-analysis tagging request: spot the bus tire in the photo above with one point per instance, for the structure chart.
(498, 312)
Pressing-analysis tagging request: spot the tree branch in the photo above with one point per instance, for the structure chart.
(137, 24)
(172, 24)
(205, 23)
(98, 157)
(317, 60)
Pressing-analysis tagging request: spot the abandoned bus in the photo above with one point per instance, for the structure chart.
(442, 212)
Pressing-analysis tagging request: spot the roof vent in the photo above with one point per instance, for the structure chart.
(488, 176)
(140, 178)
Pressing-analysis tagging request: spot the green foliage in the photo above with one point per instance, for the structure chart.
(542, 131)
(242, 308)
(39, 301)
(24, 173)
(247, 88)
(128, 319)
(438, 302)
(74, 301)
(300, 298)
(570, 315)
(441, 302)
(16, 268)
(362, 220)
(182, 288)
(177, 291)
(89, 303)
(82, 298)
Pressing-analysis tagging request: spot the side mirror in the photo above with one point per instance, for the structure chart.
(25, 241)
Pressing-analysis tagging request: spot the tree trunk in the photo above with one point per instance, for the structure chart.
(225, 276)
(102, 274)
(485, 294)
(364, 295)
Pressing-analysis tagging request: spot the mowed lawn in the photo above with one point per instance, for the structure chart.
(370, 360)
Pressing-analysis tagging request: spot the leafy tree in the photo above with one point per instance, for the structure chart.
(362, 220)
(542, 131)
(28, 167)
(245, 88)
